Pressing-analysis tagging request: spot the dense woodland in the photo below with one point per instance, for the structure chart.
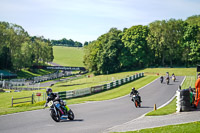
(166, 43)
(67, 43)
(19, 50)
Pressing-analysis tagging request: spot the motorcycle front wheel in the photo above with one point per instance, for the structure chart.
(70, 115)
(54, 116)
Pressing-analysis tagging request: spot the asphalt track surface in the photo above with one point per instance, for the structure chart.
(91, 117)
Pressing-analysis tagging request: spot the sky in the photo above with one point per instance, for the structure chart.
(86, 20)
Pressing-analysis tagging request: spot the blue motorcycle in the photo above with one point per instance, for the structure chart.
(56, 114)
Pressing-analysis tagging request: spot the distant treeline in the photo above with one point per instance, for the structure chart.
(161, 43)
(67, 43)
(20, 50)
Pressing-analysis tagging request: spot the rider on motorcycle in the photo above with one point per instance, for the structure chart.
(167, 76)
(173, 76)
(161, 79)
(55, 98)
(135, 92)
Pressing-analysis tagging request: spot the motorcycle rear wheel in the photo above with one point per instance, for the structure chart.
(136, 104)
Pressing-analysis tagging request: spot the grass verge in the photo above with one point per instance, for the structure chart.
(193, 127)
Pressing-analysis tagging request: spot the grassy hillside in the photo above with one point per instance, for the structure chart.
(68, 56)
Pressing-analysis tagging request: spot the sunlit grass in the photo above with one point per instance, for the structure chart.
(68, 56)
(193, 127)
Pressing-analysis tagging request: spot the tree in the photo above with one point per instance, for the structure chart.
(111, 51)
(102, 55)
(155, 42)
(189, 43)
(134, 40)
(18, 50)
(90, 58)
(173, 37)
(86, 43)
(193, 20)
(164, 39)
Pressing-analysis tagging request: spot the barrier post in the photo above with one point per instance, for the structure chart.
(178, 101)
(155, 107)
(12, 101)
(32, 98)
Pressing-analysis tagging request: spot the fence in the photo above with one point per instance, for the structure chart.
(13, 83)
(35, 97)
(96, 89)
(50, 76)
(31, 97)
(41, 96)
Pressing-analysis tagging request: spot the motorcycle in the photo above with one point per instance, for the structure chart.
(167, 80)
(56, 114)
(161, 80)
(173, 78)
(136, 100)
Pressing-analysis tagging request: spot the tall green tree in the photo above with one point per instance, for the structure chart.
(18, 50)
(173, 37)
(90, 58)
(134, 40)
(111, 51)
(189, 43)
(102, 55)
(155, 42)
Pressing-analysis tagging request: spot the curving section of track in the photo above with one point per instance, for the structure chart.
(92, 117)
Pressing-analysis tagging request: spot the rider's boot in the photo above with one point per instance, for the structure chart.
(64, 117)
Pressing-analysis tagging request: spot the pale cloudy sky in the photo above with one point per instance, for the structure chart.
(86, 20)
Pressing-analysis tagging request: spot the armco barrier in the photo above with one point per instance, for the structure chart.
(62, 95)
(178, 101)
(96, 89)
(82, 92)
(108, 86)
(114, 83)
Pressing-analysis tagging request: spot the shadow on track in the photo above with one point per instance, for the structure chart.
(145, 107)
(75, 120)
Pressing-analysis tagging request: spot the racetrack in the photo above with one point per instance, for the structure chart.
(91, 117)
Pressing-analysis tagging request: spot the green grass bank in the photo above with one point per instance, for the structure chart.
(68, 56)
(193, 127)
